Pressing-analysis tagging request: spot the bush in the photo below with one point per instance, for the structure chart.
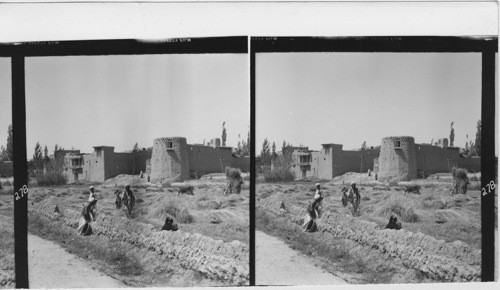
(51, 178)
(279, 175)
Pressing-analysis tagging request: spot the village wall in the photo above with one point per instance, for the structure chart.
(472, 164)
(93, 168)
(433, 159)
(205, 159)
(241, 162)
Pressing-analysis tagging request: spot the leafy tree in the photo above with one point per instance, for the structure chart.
(224, 135)
(452, 134)
(274, 150)
(265, 149)
(56, 148)
(38, 157)
(265, 153)
(477, 145)
(10, 149)
(3, 153)
(466, 148)
(363, 148)
(45, 154)
(135, 149)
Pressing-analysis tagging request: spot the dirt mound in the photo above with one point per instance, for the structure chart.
(227, 261)
(435, 259)
(358, 178)
(124, 179)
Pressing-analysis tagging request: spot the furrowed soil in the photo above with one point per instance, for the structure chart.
(7, 276)
(359, 257)
(133, 250)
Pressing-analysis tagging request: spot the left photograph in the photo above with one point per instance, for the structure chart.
(138, 168)
(7, 273)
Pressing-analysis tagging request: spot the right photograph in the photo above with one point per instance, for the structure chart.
(368, 162)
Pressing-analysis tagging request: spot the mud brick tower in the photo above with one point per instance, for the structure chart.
(398, 159)
(169, 160)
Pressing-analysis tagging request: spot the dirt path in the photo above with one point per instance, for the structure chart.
(66, 271)
(278, 264)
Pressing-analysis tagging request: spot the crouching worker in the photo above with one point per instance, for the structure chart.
(169, 225)
(88, 215)
(393, 224)
(312, 214)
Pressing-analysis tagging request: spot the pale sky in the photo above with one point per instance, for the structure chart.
(86, 101)
(348, 98)
(5, 99)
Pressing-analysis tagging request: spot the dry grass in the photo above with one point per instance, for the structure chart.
(171, 208)
(418, 213)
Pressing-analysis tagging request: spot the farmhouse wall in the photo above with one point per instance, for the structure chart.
(218, 260)
(472, 164)
(241, 162)
(398, 159)
(437, 259)
(118, 163)
(205, 159)
(433, 159)
(93, 168)
(6, 168)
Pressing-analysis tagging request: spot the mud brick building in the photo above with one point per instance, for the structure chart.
(402, 159)
(173, 159)
(331, 161)
(103, 163)
(399, 158)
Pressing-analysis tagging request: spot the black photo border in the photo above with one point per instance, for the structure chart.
(486, 45)
(18, 52)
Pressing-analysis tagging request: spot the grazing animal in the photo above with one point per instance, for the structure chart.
(185, 190)
(169, 225)
(393, 223)
(412, 189)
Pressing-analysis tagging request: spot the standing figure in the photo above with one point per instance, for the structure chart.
(128, 199)
(353, 196)
(88, 215)
(91, 193)
(318, 198)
